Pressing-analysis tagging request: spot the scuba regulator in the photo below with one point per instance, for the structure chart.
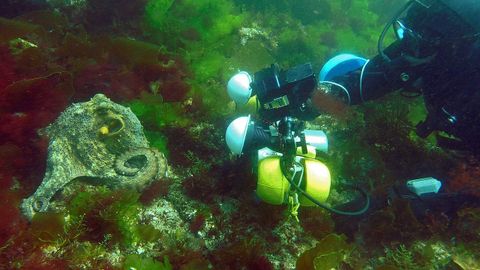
(288, 157)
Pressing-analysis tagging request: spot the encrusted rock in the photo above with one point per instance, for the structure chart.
(98, 141)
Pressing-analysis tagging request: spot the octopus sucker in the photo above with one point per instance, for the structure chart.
(140, 165)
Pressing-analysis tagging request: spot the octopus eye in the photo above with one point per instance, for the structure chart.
(115, 125)
(111, 124)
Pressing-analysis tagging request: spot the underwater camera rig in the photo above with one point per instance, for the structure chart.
(289, 159)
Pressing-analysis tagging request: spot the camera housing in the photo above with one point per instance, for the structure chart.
(284, 93)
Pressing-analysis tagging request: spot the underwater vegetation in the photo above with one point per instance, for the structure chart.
(169, 61)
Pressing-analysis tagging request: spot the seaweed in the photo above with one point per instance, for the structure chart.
(329, 253)
(144, 263)
(103, 16)
(400, 258)
(467, 224)
(244, 254)
(311, 11)
(155, 190)
(316, 222)
(396, 224)
(463, 177)
(210, 24)
(11, 221)
(108, 216)
(7, 67)
(34, 95)
(13, 29)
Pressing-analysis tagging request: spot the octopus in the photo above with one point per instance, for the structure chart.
(99, 141)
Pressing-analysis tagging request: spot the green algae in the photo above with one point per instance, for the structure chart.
(107, 216)
(156, 12)
(139, 262)
(202, 39)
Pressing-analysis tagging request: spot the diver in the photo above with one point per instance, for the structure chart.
(436, 54)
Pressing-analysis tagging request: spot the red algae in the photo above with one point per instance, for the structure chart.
(111, 80)
(157, 189)
(48, 226)
(49, 94)
(11, 222)
(464, 177)
(7, 64)
(246, 254)
(13, 28)
(197, 223)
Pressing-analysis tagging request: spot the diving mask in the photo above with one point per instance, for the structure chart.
(421, 27)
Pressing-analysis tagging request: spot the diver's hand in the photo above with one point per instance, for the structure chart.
(329, 98)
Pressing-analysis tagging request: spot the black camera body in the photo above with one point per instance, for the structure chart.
(284, 93)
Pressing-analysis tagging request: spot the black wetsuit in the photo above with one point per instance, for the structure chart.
(444, 65)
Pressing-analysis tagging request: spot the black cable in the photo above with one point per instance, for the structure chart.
(331, 209)
(385, 29)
